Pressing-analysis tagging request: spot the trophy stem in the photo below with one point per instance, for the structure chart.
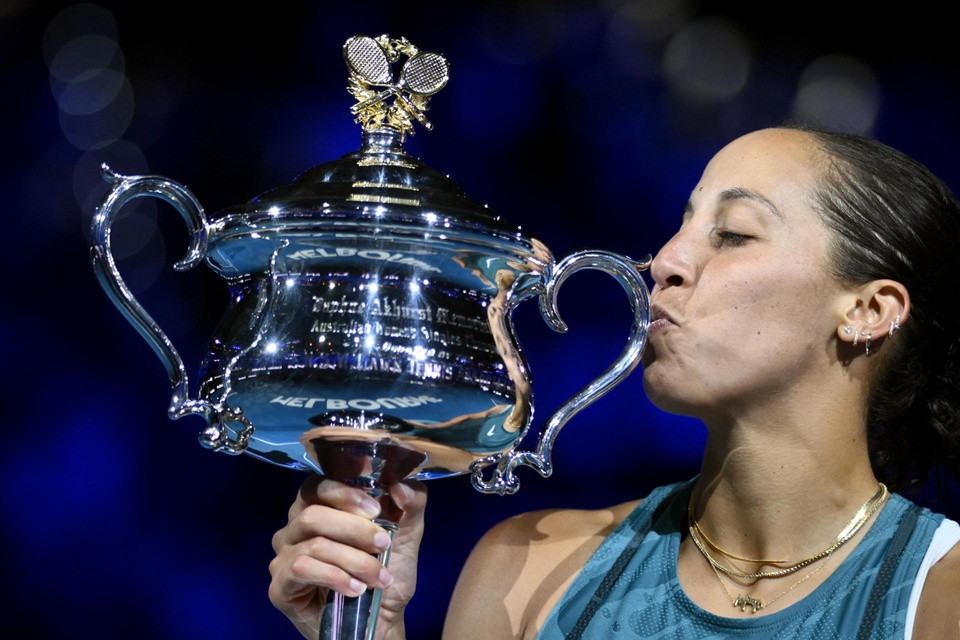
(372, 465)
(346, 618)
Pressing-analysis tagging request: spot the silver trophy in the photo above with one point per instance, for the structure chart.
(368, 335)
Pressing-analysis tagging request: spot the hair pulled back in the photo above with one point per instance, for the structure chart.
(893, 219)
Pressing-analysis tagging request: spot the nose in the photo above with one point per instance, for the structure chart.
(673, 264)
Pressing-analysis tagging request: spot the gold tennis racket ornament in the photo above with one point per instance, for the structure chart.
(370, 62)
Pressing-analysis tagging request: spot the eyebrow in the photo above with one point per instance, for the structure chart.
(739, 193)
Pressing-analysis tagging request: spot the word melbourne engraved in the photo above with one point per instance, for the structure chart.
(367, 404)
(368, 254)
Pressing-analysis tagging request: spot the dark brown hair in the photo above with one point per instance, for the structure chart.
(892, 218)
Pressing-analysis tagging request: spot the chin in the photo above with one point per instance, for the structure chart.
(665, 396)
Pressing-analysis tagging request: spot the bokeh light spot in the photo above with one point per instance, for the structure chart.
(708, 61)
(838, 92)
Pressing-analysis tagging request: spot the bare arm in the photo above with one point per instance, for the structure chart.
(938, 614)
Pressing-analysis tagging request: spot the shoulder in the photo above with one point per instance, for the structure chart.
(519, 570)
(557, 526)
(938, 613)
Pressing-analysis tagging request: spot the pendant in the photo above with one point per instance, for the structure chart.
(746, 601)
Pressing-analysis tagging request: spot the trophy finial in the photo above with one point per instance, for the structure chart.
(370, 61)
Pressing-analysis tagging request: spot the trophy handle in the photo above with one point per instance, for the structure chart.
(627, 273)
(124, 189)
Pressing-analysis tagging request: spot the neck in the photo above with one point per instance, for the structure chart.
(784, 488)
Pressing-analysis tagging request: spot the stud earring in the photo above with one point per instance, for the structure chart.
(848, 329)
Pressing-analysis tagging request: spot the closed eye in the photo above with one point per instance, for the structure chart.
(730, 239)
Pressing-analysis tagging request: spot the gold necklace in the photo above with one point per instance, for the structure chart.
(756, 604)
(859, 519)
(713, 545)
(745, 600)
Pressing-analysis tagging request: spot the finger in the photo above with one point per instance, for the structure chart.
(301, 606)
(319, 490)
(409, 495)
(347, 498)
(321, 562)
(322, 521)
(319, 521)
(305, 496)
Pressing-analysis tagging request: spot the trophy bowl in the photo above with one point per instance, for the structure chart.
(368, 333)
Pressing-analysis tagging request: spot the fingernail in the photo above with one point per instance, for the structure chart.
(369, 506)
(385, 578)
(403, 492)
(381, 541)
(357, 587)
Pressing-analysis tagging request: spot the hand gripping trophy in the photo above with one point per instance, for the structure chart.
(368, 335)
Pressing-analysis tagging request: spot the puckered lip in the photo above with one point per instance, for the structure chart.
(659, 313)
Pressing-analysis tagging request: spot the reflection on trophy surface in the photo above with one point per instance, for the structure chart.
(368, 335)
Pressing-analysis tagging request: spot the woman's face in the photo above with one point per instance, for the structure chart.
(744, 306)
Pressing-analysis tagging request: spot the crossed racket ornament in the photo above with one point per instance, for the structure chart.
(368, 334)
(371, 60)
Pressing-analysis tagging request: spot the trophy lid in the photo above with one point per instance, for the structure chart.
(378, 189)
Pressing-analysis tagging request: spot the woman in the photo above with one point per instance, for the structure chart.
(807, 312)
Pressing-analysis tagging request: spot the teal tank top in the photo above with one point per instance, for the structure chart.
(629, 587)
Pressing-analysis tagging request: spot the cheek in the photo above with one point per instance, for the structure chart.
(766, 309)
(746, 325)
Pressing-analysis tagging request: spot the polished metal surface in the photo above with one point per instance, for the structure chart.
(370, 298)
(368, 335)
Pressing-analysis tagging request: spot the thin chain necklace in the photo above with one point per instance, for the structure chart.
(859, 519)
(713, 545)
(756, 604)
(745, 600)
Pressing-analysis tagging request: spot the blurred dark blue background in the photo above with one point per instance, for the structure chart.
(585, 122)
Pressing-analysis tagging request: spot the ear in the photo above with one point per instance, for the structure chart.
(875, 310)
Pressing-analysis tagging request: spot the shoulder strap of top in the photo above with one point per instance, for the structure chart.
(610, 579)
(885, 573)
